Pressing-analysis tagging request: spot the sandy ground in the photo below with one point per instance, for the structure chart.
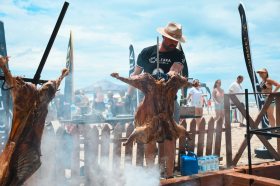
(238, 135)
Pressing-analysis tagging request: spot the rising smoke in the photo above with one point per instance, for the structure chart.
(57, 150)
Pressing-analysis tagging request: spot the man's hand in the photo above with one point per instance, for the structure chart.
(115, 75)
(172, 73)
(175, 69)
(160, 75)
(3, 60)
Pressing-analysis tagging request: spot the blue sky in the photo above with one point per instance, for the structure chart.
(102, 31)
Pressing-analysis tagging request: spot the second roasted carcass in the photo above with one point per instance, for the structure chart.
(154, 116)
(21, 155)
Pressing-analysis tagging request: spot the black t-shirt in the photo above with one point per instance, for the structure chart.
(147, 59)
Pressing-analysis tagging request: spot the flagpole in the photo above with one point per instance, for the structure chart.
(69, 81)
(72, 59)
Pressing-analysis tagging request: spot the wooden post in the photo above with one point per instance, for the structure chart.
(200, 141)
(105, 143)
(117, 146)
(218, 140)
(60, 169)
(228, 131)
(75, 165)
(140, 154)
(129, 147)
(192, 135)
(91, 144)
(210, 131)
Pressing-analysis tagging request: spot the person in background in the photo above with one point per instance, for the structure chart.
(84, 103)
(267, 87)
(218, 98)
(111, 103)
(122, 104)
(78, 101)
(196, 97)
(171, 62)
(77, 97)
(236, 88)
(98, 100)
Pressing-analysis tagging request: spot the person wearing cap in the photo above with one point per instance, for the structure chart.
(171, 62)
(266, 87)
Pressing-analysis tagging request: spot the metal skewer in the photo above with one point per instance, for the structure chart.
(158, 57)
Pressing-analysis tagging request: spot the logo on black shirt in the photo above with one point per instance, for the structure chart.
(161, 60)
(153, 60)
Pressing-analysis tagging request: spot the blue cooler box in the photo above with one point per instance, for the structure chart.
(188, 164)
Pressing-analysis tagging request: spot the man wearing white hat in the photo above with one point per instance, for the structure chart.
(171, 62)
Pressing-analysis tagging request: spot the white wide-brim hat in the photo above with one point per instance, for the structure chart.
(262, 70)
(172, 31)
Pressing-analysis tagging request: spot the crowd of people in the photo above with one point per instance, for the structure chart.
(196, 97)
(105, 103)
(115, 103)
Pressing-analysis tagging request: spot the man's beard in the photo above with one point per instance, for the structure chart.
(169, 47)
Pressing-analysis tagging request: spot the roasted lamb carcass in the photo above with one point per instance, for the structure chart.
(21, 156)
(154, 116)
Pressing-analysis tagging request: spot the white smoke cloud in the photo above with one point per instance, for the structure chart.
(54, 170)
(131, 175)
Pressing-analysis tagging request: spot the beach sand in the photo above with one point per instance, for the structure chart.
(238, 135)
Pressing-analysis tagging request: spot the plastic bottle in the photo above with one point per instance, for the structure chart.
(208, 163)
(204, 165)
(212, 163)
(216, 160)
(200, 161)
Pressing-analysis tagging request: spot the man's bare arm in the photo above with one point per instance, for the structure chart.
(175, 69)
